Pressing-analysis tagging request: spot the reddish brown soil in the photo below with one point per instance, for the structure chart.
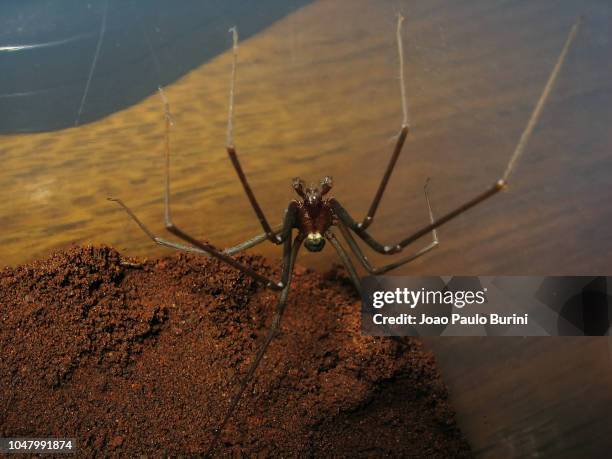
(133, 360)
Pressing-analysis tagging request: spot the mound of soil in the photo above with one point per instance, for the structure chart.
(143, 358)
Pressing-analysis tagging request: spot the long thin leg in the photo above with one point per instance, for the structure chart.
(346, 260)
(354, 277)
(231, 150)
(289, 261)
(210, 249)
(497, 186)
(402, 135)
(204, 247)
(413, 256)
(346, 218)
(229, 251)
(169, 122)
(252, 242)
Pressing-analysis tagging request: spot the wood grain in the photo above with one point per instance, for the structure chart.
(318, 94)
(530, 397)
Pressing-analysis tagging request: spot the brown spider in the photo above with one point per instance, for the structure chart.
(314, 215)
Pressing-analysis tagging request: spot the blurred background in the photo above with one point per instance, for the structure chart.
(318, 94)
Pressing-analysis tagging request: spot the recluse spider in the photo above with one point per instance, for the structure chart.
(314, 214)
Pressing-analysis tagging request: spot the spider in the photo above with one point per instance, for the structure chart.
(314, 215)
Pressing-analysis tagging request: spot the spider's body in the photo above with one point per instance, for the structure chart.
(315, 217)
(314, 213)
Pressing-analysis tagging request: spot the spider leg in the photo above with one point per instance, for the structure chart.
(346, 260)
(354, 277)
(499, 185)
(413, 256)
(212, 250)
(369, 218)
(347, 220)
(290, 254)
(271, 235)
(169, 122)
(388, 267)
(252, 242)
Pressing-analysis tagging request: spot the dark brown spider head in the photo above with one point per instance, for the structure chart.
(313, 194)
(315, 214)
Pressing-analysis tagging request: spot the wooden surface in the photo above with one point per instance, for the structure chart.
(317, 95)
(530, 397)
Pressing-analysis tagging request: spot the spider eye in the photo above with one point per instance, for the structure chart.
(313, 196)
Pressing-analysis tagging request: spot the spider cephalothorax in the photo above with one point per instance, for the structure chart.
(315, 215)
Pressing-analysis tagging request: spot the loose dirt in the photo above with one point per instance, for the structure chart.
(143, 359)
